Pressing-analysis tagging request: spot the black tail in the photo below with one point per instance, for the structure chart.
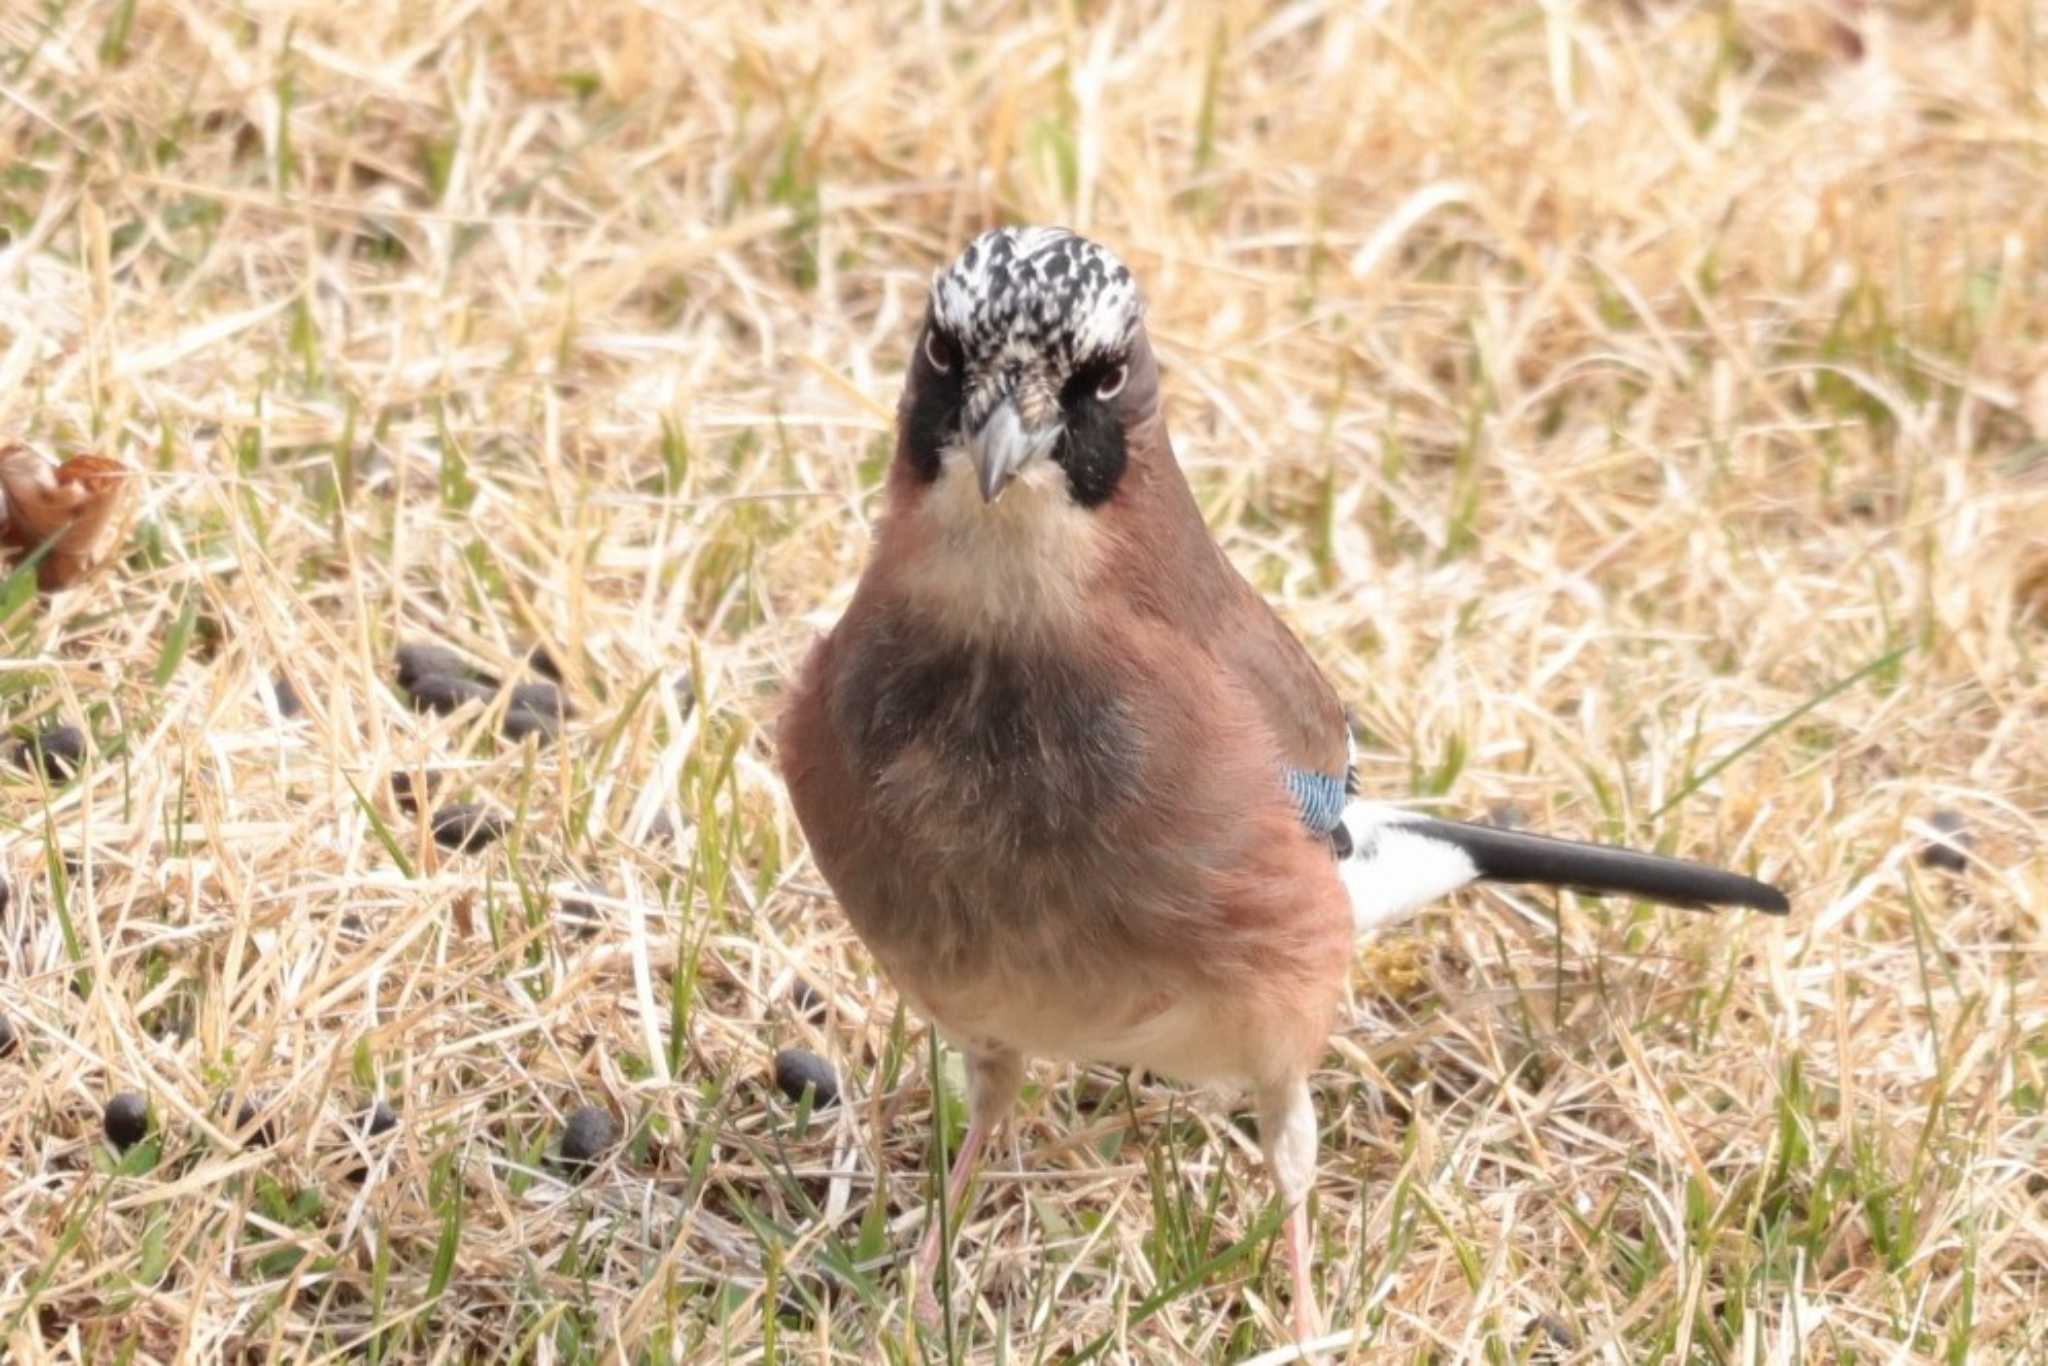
(1599, 869)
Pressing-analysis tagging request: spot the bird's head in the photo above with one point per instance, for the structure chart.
(1031, 368)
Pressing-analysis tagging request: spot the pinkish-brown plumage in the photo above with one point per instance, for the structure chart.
(1068, 834)
(1040, 760)
(1078, 789)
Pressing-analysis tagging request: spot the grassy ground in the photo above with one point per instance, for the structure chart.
(1640, 406)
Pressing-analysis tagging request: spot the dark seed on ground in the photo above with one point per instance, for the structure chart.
(467, 826)
(587, 1136)
(804, 998)
(56, 753)
(1556, 1329)
(8, 1042)
(378, 1119)
(288, 702)
(520, 722)
(579, 912)
(1949, 850)
(419, 659)
(264, 1135)
(126, 1119)
(402, 789)
(798, 1069)
(171, 1023)
(445, 693)
(541, 662)
(544, 698)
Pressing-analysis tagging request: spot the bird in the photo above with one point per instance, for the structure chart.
(1077, 788)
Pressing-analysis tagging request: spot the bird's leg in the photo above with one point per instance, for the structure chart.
(993, 1080)
(1287, 1132)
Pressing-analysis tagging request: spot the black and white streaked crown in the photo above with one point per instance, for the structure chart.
(1029, 295)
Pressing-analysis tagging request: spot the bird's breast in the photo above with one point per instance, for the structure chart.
(978, 750)
(1061, 849)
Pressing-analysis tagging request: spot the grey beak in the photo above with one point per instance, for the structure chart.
(1004, 446)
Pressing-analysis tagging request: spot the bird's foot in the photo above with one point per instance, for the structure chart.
(1308, 1320)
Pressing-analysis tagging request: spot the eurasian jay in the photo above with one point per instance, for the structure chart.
(1078, 789)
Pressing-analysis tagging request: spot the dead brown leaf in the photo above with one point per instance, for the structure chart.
(68, 506)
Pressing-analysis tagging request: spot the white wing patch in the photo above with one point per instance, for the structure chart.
(1393, 871)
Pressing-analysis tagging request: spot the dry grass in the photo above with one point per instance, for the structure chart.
(1596, 384)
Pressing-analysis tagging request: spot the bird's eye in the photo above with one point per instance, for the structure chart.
(938, 351)
(1112, 383)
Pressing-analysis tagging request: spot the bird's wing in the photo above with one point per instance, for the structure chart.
(1172, 570)
(1298, 706)
(1393, 861)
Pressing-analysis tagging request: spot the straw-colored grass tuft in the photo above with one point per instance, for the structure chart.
(1642, 408)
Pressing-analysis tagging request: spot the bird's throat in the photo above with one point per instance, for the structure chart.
(1022, 566)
